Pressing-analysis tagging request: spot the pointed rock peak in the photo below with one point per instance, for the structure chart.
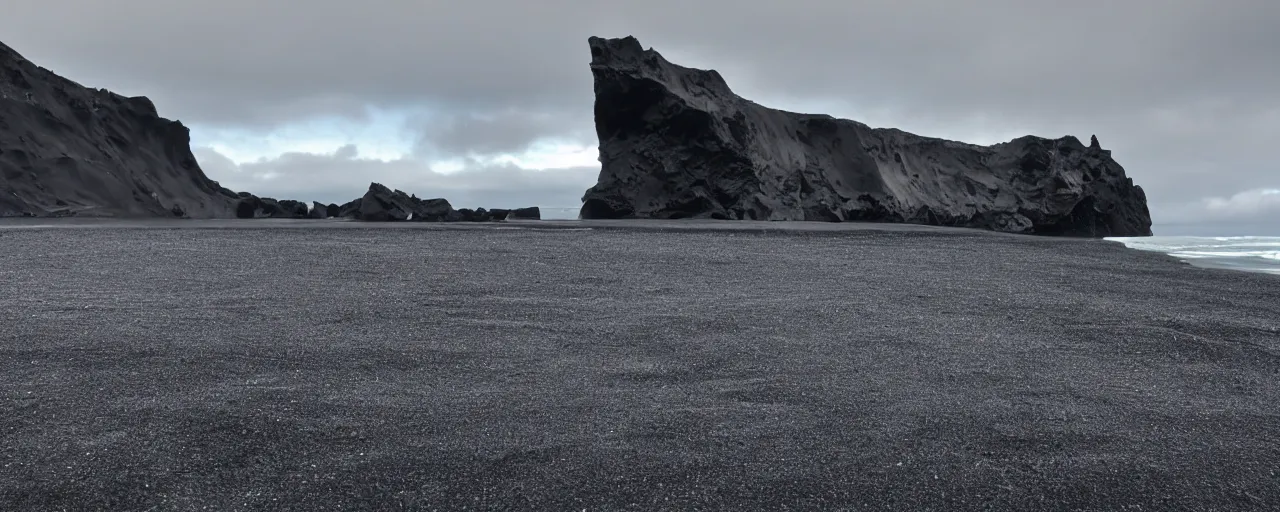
(607, 50)
(626, 57)
(622, 54)
(1093, 142)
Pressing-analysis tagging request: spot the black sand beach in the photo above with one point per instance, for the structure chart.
(338, 366)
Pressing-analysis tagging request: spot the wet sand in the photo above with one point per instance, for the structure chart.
(246, 365)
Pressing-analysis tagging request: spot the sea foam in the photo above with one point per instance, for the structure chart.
(1252, 253)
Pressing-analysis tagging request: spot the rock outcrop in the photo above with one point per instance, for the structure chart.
(253, 207)
(69, 150)
(676, 142)
(382, 204)
(531, 213)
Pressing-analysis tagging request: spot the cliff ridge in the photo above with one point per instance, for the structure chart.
(676, 142)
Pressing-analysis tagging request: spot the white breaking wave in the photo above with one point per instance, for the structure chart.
(1225, 254)
(1256, 253)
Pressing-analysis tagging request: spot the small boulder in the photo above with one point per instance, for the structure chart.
(251, 207)
(291, 209)
(530, 213)
(478, 215)
(350, 210)
(247, 207)
(435, 210)
(268, 207)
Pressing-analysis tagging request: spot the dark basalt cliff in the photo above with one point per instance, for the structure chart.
(676, 142)
(70, 150)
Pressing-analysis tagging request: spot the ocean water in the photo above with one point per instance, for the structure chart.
(1249, 253)
(558, 213)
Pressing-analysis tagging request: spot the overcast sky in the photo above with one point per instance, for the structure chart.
(489, 102)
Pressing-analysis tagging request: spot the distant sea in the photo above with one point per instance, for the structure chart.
(558, 213)
(1249, 253)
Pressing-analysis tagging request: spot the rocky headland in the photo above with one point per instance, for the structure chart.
(676, 142)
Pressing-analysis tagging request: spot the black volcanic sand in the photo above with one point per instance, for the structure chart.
(298, 366)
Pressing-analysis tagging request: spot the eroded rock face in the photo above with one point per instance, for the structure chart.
(676, 142)
(253, 207)
(69, 150)
(530, 213)
(382, 204)
(319, 210)
(499, 214)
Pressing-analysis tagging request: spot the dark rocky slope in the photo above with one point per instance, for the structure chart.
(676, 142)
(70, 150)
(67, 150)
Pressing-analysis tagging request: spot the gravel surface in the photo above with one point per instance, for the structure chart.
(335, 366)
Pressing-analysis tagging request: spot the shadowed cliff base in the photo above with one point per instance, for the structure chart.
(676, 143)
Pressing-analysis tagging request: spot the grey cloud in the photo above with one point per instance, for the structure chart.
(505, 132)
(226, 59)
(344, 175)
(1251, 206)
(1252, 212)
(1186, 92)
(1246, 205)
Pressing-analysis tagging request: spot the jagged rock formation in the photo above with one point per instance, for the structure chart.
(254, 207)
(530, 213)
(382, 204)
(70, 150)
(324, 211)
(676, 142)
